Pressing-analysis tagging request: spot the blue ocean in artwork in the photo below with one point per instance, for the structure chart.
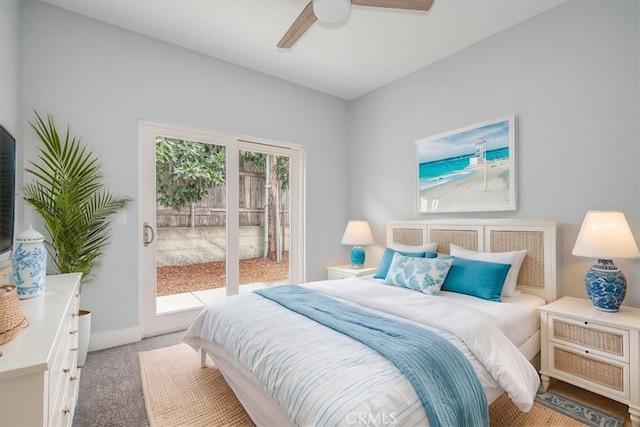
(445, 171)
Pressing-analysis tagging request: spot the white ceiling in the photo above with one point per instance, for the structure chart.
(373, 47)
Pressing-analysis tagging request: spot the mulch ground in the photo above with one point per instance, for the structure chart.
(198, 277)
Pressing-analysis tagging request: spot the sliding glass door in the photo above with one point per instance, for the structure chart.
(220, 215)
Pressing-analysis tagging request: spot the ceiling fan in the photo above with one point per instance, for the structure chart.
(332, 11)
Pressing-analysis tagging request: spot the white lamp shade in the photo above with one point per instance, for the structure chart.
(331, 11)
(357, 233)
(605, 235)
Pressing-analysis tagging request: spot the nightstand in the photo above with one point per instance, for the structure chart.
(592, 349)
(345, 271)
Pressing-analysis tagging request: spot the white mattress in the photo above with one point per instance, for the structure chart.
(517, 317)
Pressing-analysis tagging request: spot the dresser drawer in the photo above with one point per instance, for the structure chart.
(72, 393)
(587, 369)
(58, 406)
(590, 337)
(59, 372)
(63, 373)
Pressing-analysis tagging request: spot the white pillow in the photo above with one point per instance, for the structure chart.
(429, 247)
(514, 258)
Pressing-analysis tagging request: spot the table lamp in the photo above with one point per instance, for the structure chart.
(357, 233)
(605, 235)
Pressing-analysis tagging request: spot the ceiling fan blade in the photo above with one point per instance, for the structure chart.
(396, 4)
(299, 27)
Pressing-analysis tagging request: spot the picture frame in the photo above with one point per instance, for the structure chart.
(470, 169)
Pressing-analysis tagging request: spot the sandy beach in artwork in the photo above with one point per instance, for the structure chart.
(470, 193)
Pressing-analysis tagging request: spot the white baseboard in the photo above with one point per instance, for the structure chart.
(102, 340)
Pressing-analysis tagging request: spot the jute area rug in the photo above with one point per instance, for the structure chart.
(177, 392)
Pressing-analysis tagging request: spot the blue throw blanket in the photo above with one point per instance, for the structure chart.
(443, 378)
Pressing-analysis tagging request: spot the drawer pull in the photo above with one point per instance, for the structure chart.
(66, 411)
(74, 349)
(66, 370)
(73, 332)
(72, 378)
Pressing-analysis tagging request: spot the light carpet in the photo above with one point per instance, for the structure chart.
(177, 392)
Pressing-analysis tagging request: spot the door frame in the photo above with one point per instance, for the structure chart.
(154, 324)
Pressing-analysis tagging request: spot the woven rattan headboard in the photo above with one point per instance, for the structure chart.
(538, 272)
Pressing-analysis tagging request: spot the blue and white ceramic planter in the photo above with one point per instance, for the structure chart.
(29, 264)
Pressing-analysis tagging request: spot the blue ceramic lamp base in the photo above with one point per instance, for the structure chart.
(606, 285)
(357, 257)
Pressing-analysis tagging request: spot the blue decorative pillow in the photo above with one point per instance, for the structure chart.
(515, 258)
(422, 274)
(478, 278)
(387, 257)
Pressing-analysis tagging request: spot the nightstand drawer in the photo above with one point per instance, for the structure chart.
(335, 275)
(346, 272)
(597, 339)
(586, 369)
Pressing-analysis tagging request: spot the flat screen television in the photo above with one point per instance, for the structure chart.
(7, 193)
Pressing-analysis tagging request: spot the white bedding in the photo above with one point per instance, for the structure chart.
(326, 376)
(518, 316)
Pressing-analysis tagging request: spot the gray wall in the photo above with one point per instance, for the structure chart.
(10, 66)
(571, 75)
(10, 115)
(101, 80)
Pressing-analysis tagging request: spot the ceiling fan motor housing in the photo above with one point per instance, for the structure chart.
(331, 11)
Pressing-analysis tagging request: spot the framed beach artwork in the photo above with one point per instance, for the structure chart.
(471, 169)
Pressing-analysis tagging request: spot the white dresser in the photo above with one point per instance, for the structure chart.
(38, 374)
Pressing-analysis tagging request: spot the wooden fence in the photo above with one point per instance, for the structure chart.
(211, 211)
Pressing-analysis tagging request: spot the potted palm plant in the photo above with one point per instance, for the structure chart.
(68, 194)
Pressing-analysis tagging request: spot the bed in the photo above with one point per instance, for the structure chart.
(286, 368)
